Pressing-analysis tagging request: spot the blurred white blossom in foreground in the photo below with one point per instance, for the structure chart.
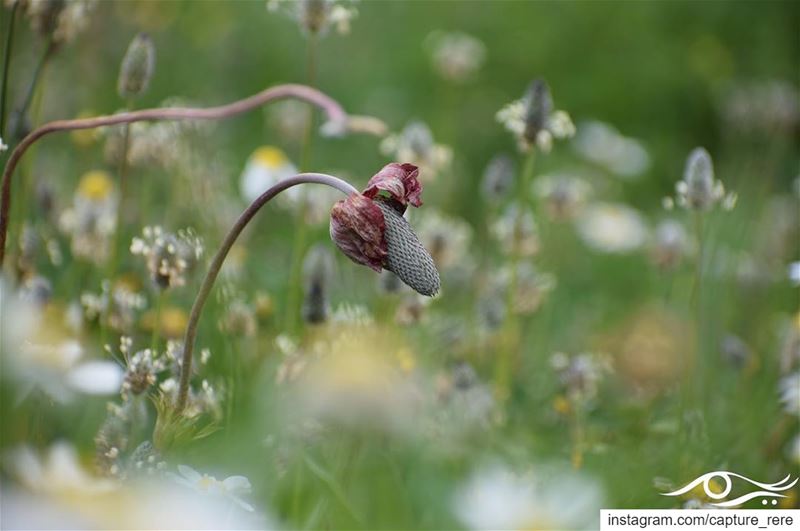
(612, 228)
(495, 497)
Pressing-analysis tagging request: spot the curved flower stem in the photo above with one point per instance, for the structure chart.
(334, 112)
(222, 253)
(6, 64)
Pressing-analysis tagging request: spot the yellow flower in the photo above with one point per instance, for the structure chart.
(96, 185)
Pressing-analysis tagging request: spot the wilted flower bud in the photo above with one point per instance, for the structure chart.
(137, 67)
(317, 273)
(371, 230)
(538, 109)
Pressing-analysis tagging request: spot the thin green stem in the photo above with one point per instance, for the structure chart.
(122, 171)
(6, 65)
(505, 358)
(37, 76)
(219, 258)
(157, 321)
(301, 229)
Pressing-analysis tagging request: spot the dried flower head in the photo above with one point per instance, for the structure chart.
(169, 257)
(137, 67)
(370, 228)
(533, 121)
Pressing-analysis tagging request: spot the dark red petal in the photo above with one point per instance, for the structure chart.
(400, 180)
(357, 228)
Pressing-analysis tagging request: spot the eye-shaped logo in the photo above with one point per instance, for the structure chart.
(767, 490)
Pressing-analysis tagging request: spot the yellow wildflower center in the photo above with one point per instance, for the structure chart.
(269, 156)
(96, 185)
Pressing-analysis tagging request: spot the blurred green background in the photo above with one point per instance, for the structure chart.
(660, 72)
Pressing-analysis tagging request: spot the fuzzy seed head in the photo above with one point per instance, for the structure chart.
(137, 67)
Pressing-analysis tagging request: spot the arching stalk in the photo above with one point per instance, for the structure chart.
(219, 259)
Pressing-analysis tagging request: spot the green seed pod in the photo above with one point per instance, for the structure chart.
(137, 67)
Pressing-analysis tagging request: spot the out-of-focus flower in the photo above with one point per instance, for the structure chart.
(289, 118)
(516, 230)
(794, 273)
(581, 375)
(59, 20)
(370, 229)
(671, 244)
(790, 344)
(611, 227)
(230, 488)
(532, 120)
(137, 67)
(239, 319)
(411, 309)
(563, 195)
(316, 17)
(317, 277)
(3, 145)
(92, 218)
(699, 190)
(735, 351)
(463, 400)
(117, 307)
(266, 166)
(358, 381)
(531, 290)
(456, 56)
(793, 450)
(498, 178)
(446, 238)
(762, 107)
(169, 257)
(415, 144)
(789, 387)
(55, 492)
(604, 145)
(58, 472)
(496, 497)
(653, 348)
(37, 352)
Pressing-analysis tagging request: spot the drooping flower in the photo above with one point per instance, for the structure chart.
(369, 228)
